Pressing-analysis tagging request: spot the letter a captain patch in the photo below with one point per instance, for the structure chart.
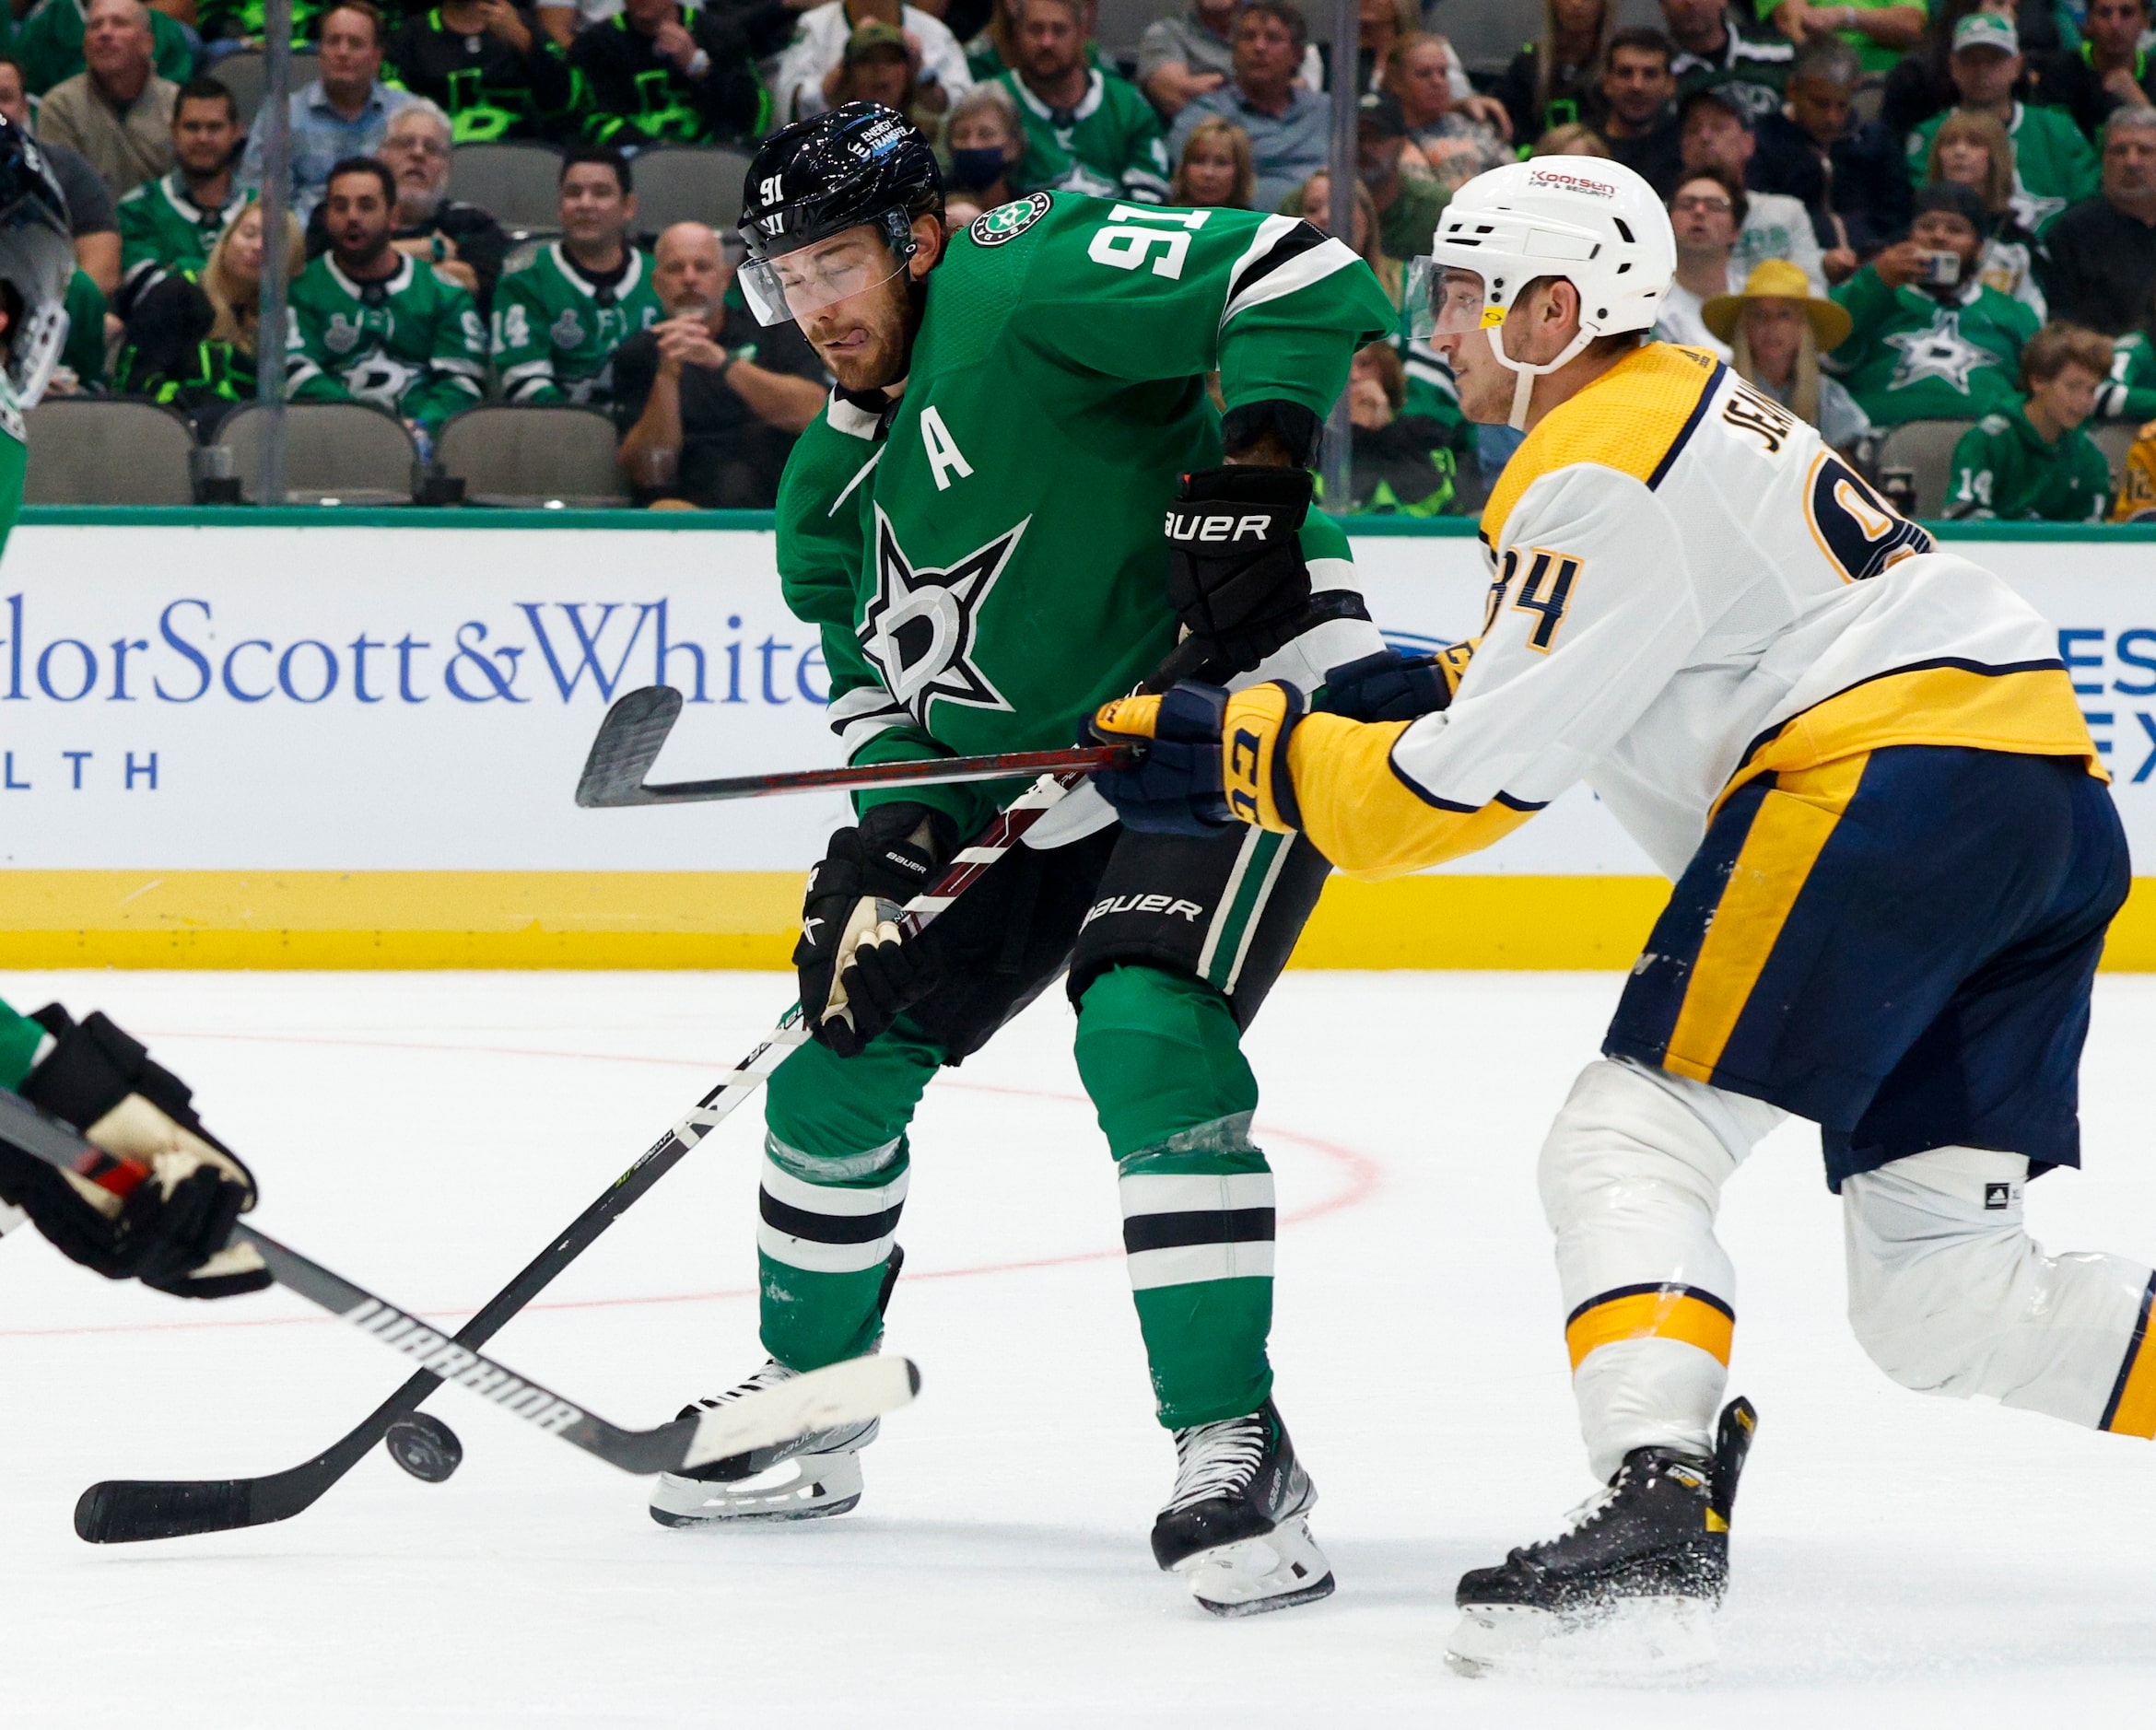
(944, 457)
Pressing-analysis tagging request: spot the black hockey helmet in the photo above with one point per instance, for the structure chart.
(855, 165)
(36, 262)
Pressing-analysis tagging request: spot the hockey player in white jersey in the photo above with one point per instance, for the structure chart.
(1894, 857)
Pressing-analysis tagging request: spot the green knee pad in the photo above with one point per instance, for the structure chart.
(1162, 1059)
(835, 1125)
(1160, 1054)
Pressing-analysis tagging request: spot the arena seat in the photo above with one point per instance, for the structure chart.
(345, 453)
(243, 75)
(97, 450)
(535, 456)
(516, 183)
(1926, 448)
(689, 183)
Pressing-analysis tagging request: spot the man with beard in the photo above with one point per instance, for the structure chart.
(1086, 131)
(975, 525)
(373, 324)
(171, 223)
(461, 240)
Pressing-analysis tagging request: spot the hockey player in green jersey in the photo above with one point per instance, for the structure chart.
(1929, 340)
(558, 320)
(1086, 131)
(2035, 462)
(373, 324)
(169, 1231)
(975, 523)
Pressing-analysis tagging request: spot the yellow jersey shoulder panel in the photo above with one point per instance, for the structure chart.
(1635, 418)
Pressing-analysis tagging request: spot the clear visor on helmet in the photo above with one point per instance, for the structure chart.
(1443, 301)
(794, 283)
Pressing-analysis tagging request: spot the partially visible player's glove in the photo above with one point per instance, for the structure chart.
(170, 1231)
(1176, 787)
(1237, 578)
(1220, 756)
(1389, 686)
(857, 975)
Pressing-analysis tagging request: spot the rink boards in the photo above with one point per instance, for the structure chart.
(348, 739)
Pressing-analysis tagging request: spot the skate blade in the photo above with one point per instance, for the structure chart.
(1255, 1575)
(1659, 1642)
(808, 1487)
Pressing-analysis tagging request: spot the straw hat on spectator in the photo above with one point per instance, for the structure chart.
(1778, 279)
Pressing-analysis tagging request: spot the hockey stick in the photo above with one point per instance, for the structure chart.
(870, 1387)
(126, 1511)
(635, 729)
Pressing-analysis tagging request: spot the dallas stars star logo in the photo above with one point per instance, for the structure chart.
(919, 627)
(1940, 352)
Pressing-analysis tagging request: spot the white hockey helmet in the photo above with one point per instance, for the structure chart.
(1597, 224)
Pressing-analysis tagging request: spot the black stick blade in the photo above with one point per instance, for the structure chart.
(129, 1511)
(628, 743)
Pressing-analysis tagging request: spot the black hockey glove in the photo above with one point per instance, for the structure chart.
(857, 975)
(170, 1231)
(1176, 787)
(1390, 686)
(1235, 572)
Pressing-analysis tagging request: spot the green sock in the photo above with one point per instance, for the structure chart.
(834, 1180)
(1162, 1059)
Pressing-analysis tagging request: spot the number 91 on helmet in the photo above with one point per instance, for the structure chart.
(827, 209)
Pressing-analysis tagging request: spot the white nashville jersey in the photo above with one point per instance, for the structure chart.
(1690, 587)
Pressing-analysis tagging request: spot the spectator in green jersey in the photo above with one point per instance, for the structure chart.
(2054, 166)
(1403, 464)
(558, 320)
(373, 324)
(1408, 205)
(2129, 394)
(1215, 172)
(193, 336)
(672, 72)
(1929, 341)
(171, 223)
(1086, 131)
(986, 145)
(1972, 148)
(2031, 461)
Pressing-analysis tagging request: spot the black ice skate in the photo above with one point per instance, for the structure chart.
(1650, 1550)
(806, 1479)
(1235, 1526)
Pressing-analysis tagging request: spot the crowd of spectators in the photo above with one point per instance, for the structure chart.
(1886, 211)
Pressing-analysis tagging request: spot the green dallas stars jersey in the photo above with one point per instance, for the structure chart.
(161, 228)
(411, 343)
(2130, 392)
(2003, 468)
(2054, 166)
(555, 331)
(985, 561)
(1110, 145)
(1910, 356)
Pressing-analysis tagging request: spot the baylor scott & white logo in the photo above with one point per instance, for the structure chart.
(920, 625)
(1007, 222)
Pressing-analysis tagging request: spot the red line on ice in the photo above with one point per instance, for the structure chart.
(1360, 1181)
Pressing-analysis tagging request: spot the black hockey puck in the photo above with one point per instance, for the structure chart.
(425, 1446)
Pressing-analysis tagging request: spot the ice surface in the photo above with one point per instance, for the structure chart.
(1899, 1560)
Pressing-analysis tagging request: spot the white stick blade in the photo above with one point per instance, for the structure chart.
(853, 1392)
